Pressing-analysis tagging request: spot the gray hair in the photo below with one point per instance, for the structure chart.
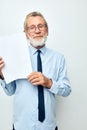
(34, 14)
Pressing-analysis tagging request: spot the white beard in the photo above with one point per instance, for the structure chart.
(35, 43)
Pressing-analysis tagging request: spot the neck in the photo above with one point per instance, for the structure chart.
(38, 47)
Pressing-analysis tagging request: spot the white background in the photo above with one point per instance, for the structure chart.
(67, 21)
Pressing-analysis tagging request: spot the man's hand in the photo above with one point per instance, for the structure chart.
(37, 78)
(1, 66)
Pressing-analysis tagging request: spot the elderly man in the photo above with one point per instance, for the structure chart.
(34, 97)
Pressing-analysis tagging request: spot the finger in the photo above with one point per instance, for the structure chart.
(33, 81)
(1, 61)
(37, 83)
(35, 73)
(0, 58)
(32, 77)
(2, 65)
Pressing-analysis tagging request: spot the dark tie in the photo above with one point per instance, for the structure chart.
(41, 107)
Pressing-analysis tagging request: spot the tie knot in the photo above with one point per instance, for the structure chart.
(39, 51)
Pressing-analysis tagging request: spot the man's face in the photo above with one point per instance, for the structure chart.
(36, 29)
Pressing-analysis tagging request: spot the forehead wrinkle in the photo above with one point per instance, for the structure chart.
(35, 21)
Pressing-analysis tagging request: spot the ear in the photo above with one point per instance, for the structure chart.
(26, 34)
(47, 32)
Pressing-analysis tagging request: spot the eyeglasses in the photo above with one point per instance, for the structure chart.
(33, 28)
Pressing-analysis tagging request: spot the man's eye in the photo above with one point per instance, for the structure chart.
(40, 26)
(32, 27)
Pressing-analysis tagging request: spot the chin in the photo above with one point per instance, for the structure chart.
(38, 43)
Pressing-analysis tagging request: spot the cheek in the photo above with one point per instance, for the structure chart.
(45, 33)
(29, 35)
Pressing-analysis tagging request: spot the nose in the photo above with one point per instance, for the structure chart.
(37, 30)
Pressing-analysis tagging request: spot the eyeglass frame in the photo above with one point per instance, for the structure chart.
(33, 28)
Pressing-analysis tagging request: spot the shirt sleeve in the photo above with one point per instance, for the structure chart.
(61, 86)
(9, 89)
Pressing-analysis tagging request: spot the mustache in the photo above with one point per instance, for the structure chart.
(38, 36)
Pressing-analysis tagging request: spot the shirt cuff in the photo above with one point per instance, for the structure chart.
(54, 87)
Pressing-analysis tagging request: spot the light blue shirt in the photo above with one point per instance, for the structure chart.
(26, 95)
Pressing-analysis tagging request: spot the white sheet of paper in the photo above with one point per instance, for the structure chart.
(15, 53)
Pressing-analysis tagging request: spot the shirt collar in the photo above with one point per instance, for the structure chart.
(33, 50)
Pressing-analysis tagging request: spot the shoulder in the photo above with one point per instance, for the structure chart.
(54, 53)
